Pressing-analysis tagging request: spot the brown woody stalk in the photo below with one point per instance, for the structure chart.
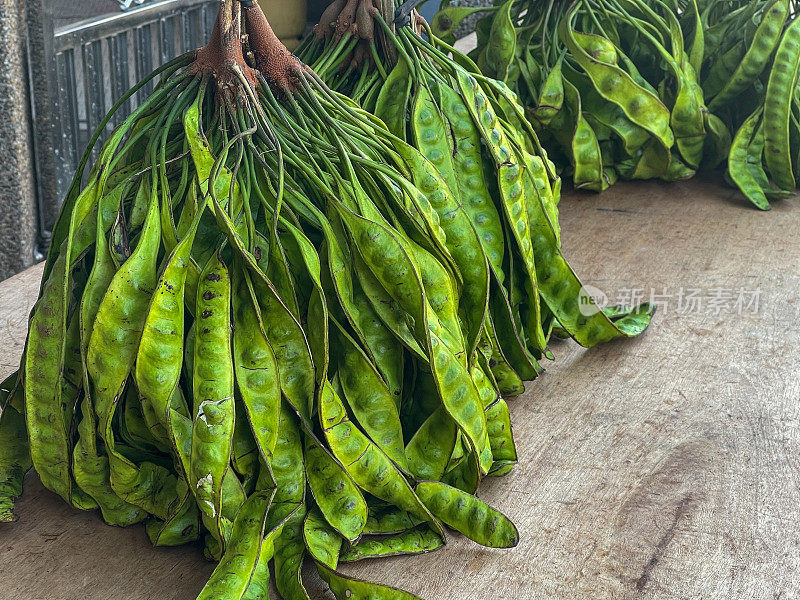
(278, 66)
(223, 56)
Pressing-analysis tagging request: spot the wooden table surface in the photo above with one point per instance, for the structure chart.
(664, 467)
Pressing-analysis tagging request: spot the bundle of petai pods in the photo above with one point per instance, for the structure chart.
(472, 130)
(273, 323)
(642, 89)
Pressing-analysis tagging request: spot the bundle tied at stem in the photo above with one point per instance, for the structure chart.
(356, 19)
(223, 56)
(272, 59)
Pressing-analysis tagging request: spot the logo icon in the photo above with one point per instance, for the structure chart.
(591, 300)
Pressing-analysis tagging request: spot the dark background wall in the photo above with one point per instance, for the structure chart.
(17, 188)
(315, 9)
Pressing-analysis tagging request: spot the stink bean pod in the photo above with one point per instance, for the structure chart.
(44, 363)
(757, 56)
(244, 449)
(510, 184)
(430, 448)
(447, 20)
(640, 105)
(386, 352)
(182, 527)
(460, 398)
(721, 70)
(551, 96)
(289, 552)
(368, 397)
(90, 468)
(388, 520)
(465, 474)
(258, 587)
(110, 358)
(322, 542)
(441, 294)
(777, 107)
(718, 142)
(369, 467)
(419, 540)
(159, 358)
(687, 115)
(697, 44)
(509, 341)
(737, 162)
(755, 164)
(92, 474)
(287, 468)
(498, 423)
(586, 157)
(393, 99)
(232, 575)
(335, 492)
(472, 186)
(468, 515)
(283, 331)
(509, 383)
(213, 381)
(276, 268)
(563, 292)
(256, 370)
(15, 460)
(392, 266)
(386, 308)
(600, 48)
(349, 588)
(502, 43)
(462, 240)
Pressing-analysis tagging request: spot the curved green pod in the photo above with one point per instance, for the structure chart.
(349, 588)
(335, 492)
(368, 466)
(15, 458)
(430, 448)
(388, 520)
(738, 169)
(613, 83)
(256, 370)
(233, 573)
(468, 515)
(777, 107)
(419, 540)
(757, 56)
(502, 43)
(369, 397)
(213, 380)
(322, 542)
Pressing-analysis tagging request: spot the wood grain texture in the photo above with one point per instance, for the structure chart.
(666, 467)
(17, 297)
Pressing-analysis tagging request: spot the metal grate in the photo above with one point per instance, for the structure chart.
(95, 62)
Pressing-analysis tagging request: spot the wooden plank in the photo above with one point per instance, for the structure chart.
(17, 297)
(664, 467)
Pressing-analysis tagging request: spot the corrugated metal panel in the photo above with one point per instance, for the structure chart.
(98, 60)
